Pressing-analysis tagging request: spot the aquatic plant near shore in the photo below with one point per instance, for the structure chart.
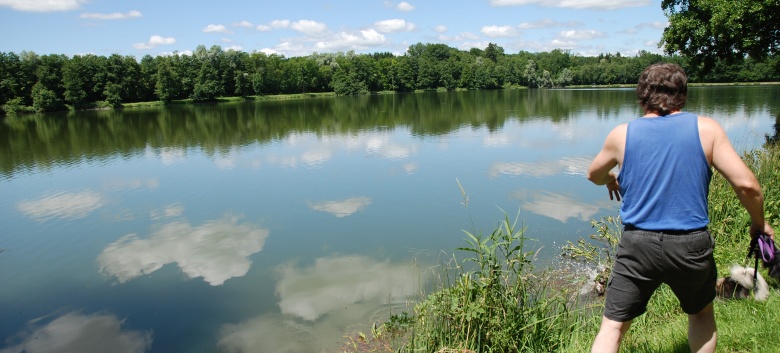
(492, 301)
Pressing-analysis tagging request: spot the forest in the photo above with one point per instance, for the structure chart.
(38, 83)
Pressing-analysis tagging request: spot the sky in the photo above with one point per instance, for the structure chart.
(299, 28)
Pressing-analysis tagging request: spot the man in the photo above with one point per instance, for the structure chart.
(665, 160)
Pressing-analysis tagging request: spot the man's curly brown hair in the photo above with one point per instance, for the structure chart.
(662, 88)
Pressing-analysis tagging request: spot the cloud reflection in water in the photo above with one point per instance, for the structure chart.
(556, 206)
(333, 283)
(76, 332)
(66, 205)
(341, 208)
(320, 303)
(570, 166)
(216, 251)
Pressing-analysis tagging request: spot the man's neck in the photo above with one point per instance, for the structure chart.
(651, 114)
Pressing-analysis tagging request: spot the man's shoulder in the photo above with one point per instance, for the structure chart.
(707, 124)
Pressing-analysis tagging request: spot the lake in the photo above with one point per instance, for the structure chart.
(280, 226)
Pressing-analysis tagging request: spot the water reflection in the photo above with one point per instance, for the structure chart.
(556, 206)
(120, 184)
(226, 161)
(216, 250)
(379, 145)
(65, 205)
(168, 155)
(333, 283)
(341, 208)
(410, 167)
(570, 166)
(273, 333)
(173, 210)
(320, 302)
(77, 332)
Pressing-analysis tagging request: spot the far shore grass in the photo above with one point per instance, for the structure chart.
(295, 96)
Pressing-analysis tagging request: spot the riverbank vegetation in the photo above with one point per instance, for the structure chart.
(493, 300)
(36, 83)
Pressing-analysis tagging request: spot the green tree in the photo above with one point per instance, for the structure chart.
(146, 86)
(76, 79)
(564, 78)
(167, 87)
(531, 74)
(707, 30)
(207, 86)
(45, 100)
(494, 52)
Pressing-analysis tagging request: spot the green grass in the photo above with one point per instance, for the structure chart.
(494, 300)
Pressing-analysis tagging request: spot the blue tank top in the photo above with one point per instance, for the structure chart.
(665, 176)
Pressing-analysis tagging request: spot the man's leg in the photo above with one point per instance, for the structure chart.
(609, 336)
(701, 330)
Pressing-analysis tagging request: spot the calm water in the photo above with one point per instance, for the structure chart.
(279, 226)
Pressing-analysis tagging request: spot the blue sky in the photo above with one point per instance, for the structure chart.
(298, 28)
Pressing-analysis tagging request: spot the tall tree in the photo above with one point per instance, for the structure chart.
(168, 85)
(708, 30)
(493, 52)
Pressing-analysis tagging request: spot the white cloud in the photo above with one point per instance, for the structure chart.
(76, 332)
(154, 41)
(393, 26)
(498, 31)
(405, 6)
(652, 25)
(218, 250)
(563, 44)
(581, 34)
(308, 27)
(246, 24)
(263, 28)
(349, 41)
(280, 24)
(42, 5)
(111, 16)
(463, 36)
(63, 205)
(216, 29)
(440, 29)
(268, 51)
(342, 208)
(575, 4)
(548, 23)
(163, 155)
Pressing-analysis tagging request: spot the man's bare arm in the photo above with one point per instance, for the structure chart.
(729, 164)
(611, 155)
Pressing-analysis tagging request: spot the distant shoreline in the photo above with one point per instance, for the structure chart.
(276, 97)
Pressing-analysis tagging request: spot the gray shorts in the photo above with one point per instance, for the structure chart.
(645, 259)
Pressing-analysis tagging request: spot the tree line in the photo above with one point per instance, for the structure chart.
(36, 83)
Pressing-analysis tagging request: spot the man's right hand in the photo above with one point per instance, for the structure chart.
(756, 229)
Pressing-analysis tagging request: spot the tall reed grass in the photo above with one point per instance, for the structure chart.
(493, 301)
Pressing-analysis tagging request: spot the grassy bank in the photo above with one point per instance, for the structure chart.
(494, 300)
